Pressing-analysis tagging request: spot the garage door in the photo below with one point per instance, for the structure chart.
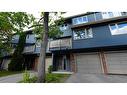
(88, 63)
(117, 63)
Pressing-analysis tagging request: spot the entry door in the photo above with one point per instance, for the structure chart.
(63, 63)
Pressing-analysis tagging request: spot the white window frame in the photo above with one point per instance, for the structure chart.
(86, 36)
(78, 20)
(117, 28)
(114, 15)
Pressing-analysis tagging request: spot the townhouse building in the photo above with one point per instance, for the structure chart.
(91, 43)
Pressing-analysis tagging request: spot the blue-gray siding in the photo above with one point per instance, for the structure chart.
(101, 37)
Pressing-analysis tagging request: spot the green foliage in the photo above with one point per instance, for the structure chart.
(26, 76)
(17, 60)
(50, 78)
(10, 23)
(56, 78)
(54, 30)
(50, 69)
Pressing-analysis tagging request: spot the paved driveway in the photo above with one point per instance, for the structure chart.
(14, 78)
(96, 78)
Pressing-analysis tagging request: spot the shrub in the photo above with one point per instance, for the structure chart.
(50, 69)
(52, 78)
(26, 76)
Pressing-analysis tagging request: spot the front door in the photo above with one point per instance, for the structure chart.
(63, 63)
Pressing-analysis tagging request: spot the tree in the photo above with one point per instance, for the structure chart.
(41, 65)
(10, 23)
(48, 28)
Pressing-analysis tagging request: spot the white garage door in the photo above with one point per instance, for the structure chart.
(117, 63)
(88, 63)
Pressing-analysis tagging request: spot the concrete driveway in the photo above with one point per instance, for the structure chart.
(15, 78)
(96, 78)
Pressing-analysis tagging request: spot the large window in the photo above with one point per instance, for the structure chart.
(117, 29)
(79, 20)
(83, 34)
(110, 14)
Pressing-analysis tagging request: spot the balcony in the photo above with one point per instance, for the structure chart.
(60, 44)
(29, 49)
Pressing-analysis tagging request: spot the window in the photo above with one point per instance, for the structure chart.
(83, 34)
(124, 13)
(117, 29)
(110, 14)
(79, 20)
(63, 27)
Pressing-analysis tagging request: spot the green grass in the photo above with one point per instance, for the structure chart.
(51, 78)
(56, 78)
(6, 73)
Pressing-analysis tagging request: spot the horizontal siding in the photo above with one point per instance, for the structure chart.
(101, 37)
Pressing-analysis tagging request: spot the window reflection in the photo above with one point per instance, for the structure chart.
(82, 34)
(117, 29)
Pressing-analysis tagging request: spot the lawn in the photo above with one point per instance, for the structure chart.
(6, 73)
(50, 78)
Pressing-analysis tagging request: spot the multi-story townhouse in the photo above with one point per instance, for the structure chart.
(94, 42)
(31, 52)
(91, 43)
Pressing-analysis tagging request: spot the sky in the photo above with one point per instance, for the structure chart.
(67, 14)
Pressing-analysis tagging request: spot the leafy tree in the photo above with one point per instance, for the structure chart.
(46, 29)
(10, 23)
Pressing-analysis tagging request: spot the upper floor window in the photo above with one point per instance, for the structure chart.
(110, 14)
(83, 34)
(117, 29)
(15, 37)
(79, 20)
(63, 27)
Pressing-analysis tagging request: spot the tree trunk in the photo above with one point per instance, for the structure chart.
(44, 41)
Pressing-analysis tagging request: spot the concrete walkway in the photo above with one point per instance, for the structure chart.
(96, 78)
(15, 78)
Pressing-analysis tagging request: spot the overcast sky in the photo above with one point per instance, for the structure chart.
(67, 14)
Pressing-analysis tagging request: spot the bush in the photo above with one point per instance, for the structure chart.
(26, 76)
(50, 69)
(52, 78)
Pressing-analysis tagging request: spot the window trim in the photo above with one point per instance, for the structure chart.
(120, 14)
(85, 34)
(116, 24)
(80, 17)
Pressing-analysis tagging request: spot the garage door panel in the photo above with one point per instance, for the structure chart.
(117, 63)
(88, 63)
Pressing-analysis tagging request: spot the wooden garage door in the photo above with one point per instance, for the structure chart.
(117, 63)
(88, 63)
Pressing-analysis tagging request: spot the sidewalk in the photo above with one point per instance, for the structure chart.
(15, 78)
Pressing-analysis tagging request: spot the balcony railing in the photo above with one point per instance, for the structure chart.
(29, 49)
(65, 43)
